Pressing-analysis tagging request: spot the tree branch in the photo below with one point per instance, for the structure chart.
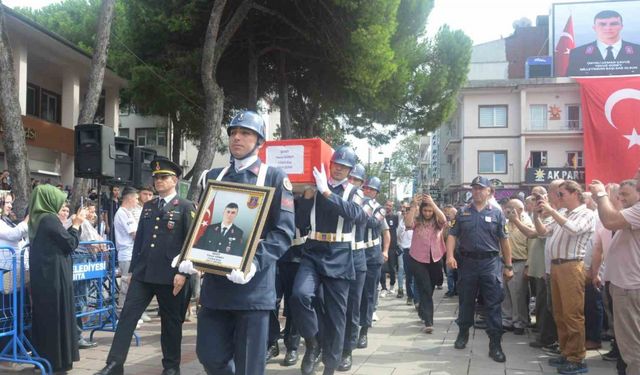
(231, 27)
(283, 19)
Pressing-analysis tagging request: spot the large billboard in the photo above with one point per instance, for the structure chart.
(600, 38)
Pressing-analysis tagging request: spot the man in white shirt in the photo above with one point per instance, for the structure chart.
(125, 224)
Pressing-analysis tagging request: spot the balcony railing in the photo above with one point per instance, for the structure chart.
(568, 126)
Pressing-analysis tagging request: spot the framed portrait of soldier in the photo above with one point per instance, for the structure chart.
(227, 227)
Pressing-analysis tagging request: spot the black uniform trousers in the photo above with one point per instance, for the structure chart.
(232, 342)
(172, 311)
(335, 296)
(369, 295)
(482, 276)
(274, 317)
(288, 271)
(356, 287)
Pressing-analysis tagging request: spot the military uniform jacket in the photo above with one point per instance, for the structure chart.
(332, 259)
(583, 60)
(159, 238)
(294, 254)
(373, 231)
(228, 243)
(218, 293)
(359, 257)
(479, 231)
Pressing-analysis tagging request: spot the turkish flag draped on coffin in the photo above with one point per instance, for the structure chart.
(610, 108)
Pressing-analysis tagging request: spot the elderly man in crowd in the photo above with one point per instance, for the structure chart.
(515, 307)
(623, 272)
(569, 237)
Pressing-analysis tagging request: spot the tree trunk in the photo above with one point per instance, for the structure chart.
(176, 140)
(13, 136)
(252, 100)
(283, 89)
(213, 49)
(96, 78)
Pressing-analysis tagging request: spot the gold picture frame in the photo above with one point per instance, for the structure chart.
(226, 230)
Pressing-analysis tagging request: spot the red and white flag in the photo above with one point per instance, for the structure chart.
(206, 219)
(563, 48)
(610, 108)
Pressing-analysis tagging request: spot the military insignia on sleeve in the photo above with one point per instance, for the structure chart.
(286, 203)
(252, 202)
(287, 184)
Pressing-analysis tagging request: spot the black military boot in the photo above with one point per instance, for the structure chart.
(495, 349)
(328, 371)
(273, 351)
(291, 358)
(462, 339)
(362, 339)
(346, 362)
(311, 356)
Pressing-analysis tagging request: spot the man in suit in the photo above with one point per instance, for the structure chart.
(608, 54)
(225, 236)
(164, 225)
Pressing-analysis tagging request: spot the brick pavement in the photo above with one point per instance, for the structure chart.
(396, 347)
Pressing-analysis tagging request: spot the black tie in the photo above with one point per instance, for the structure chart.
(224, 232)
(161, 203)
(609, 54)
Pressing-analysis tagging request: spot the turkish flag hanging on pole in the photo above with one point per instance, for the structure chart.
(610, 108)
(563, 48)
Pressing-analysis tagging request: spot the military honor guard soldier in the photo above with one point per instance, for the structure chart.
(234, 318)
(163, 227)
(481, 231)
(327, 262)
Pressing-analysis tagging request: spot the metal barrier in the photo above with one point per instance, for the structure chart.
(12, 318)
(95, 287)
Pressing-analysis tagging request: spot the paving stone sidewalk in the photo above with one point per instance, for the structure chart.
(397, 346)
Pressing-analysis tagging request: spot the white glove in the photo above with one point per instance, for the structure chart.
(238, 277)
(186, 266)
(321, 179)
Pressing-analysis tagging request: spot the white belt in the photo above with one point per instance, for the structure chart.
(298, 241)
(359, 245)
(372, 243)
(330, 237)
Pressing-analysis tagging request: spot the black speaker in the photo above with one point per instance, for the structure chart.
(95, 151)
(124, 161)
(142, 158)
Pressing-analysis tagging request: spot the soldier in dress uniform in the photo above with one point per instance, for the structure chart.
(327, 262)
(480, 229)
(233, 321)
(356, 286)
(163, 227)
(287, 269)
(223, 237)
(376, 254)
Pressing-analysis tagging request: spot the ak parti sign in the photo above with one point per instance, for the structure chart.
(610, 108)
(544, 175)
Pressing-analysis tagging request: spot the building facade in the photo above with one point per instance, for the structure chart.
(51, 77)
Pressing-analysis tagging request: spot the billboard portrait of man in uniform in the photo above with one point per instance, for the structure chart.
(609, 54)
(225, 236)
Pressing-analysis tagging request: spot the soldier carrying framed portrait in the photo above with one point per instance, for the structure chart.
(227, 228)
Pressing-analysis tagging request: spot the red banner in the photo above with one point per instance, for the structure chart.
(563, 49)
(610, 108)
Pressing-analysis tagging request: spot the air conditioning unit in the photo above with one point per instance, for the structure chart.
(538, 67)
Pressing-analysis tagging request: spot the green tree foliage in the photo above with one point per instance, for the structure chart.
(406, 158)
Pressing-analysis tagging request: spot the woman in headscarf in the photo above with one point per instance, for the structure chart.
(54, 333)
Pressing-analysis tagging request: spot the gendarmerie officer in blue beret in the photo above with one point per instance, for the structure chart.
(233, 322)
(327, 262)
(377, 240)
(480, 229)
(163, 227)
(356, 286)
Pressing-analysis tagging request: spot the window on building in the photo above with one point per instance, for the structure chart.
(538, 159)
(151, 136)
(32, 100)
(492, 116)
(574, 159)
(123, 132)
(492, 162)
(574, 116)
(49, 106)
(538, 116)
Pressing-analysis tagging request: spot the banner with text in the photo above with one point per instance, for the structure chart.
(544, 175)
